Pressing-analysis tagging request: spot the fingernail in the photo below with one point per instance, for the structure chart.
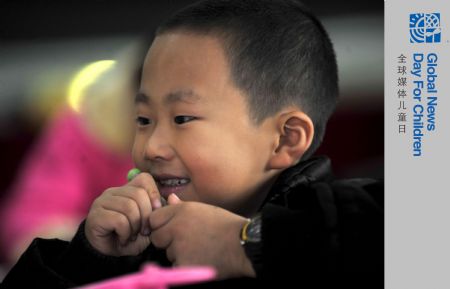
(146, 231)
(157, 204)
(173, 199)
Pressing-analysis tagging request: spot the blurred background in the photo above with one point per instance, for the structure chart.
(51, 51)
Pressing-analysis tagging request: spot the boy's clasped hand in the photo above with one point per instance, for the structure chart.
(125, 220)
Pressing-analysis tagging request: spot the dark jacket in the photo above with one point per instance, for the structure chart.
(317, 232)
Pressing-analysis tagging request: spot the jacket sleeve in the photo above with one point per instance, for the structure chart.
(60, 264)
(326, 234)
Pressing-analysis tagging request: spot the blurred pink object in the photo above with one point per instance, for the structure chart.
(63, 173)
(155, 277)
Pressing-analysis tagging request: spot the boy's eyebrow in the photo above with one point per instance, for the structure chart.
(187, 96)
(141, 98)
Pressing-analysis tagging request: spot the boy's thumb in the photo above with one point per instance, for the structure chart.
(173, 199)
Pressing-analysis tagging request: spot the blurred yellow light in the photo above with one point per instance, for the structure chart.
(84, 78)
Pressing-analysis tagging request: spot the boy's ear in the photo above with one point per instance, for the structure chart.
(295, 130)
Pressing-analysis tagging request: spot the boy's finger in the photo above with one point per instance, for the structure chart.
(140, 196)
(173, 199)
(161, 217)
(162, 233)
(162, 237)
(156, 202)
(127, 207)
(113, 221)
(146, 181)
(122, 230)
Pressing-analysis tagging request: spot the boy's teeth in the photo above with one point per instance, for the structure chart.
(173, 182)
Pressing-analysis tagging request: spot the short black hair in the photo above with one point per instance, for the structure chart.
(279, 54)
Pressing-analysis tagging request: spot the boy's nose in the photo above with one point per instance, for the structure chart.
(158, 147)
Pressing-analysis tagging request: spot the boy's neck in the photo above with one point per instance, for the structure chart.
(254, 204)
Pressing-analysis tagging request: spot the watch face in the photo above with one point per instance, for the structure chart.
(254, 230)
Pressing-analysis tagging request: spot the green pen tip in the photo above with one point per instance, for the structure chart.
(132, 173)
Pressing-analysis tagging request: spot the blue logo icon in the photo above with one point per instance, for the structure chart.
(425, 27)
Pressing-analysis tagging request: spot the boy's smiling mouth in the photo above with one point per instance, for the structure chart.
(168, 184)
(173, 182)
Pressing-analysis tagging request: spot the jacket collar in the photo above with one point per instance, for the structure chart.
(302, 174)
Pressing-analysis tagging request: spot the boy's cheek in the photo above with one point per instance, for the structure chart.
(137, 152)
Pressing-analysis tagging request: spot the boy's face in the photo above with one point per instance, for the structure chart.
(194, 134)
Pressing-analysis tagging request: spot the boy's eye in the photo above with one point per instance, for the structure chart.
(180, 119)
(142, 121)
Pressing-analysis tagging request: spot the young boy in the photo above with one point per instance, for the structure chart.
(234, 99)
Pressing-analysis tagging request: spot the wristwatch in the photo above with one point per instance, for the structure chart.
(251, 241)
(251, 232)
